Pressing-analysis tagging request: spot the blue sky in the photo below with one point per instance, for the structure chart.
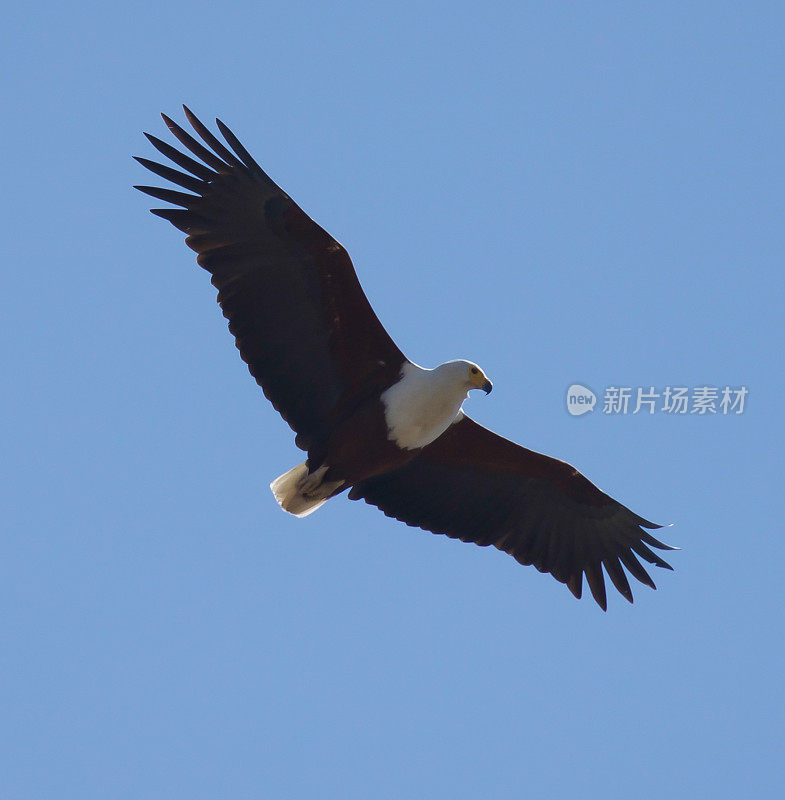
(562, 192)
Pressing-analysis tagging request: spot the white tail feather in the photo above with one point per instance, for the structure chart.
(287, 491)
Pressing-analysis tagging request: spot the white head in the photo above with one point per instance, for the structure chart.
(467, 374)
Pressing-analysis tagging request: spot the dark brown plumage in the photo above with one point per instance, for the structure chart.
(299, 316)
(314, 344)
(536, 508)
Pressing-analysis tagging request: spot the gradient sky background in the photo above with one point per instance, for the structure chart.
(563, 192)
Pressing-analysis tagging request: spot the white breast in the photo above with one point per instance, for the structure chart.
(421, 406)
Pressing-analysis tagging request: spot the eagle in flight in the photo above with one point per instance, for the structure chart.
(372, 422)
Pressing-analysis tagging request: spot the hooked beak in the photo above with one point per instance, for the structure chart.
(487, 387)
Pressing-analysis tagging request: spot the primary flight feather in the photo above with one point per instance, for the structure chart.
(371, 421)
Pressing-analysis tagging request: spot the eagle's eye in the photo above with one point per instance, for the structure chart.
(474, 370)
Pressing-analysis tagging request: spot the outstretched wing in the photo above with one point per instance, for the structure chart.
(474, 485)
(295, 307)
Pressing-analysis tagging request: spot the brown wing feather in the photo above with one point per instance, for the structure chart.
(474, 485)
(299, 316)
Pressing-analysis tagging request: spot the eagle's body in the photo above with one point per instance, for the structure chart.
(371, 421)
(414, 411)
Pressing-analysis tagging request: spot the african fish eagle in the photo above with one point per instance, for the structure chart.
(371, 421)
